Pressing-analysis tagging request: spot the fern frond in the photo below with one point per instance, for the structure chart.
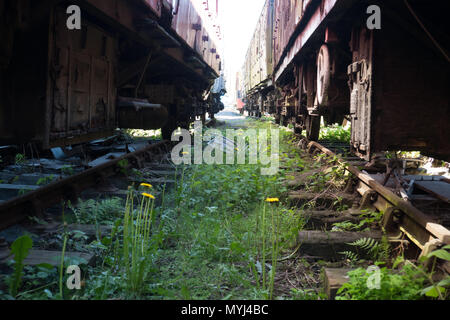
(349, 255)
(377, 250)
(367, 244)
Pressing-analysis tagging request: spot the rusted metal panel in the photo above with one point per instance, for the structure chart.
(120, 11)
(188, 24)
(285, 23)
(155, 5)
(360, 74)
(290, 38)
(403, 98)
(259, 61)
(183, 22)
(140, 114)
(83, 86)
(183, 25)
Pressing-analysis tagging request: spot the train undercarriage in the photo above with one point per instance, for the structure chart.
(339, 70)
(128, 66)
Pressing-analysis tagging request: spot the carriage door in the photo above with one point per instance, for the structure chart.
(82, 66)
(360, 81)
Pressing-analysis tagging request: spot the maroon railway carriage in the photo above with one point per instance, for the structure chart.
(392, 83)
(134, 64)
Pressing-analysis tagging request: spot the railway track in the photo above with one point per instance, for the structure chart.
(417, 225)
(405, 224)
(369, 186)
(109, 179)
(38, 199)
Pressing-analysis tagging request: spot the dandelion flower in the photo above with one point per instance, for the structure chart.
(148, 195)
(272, 200)
(146, 185)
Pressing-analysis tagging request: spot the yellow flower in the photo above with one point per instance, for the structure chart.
(272, 200)
(148, 195)
(146, 185)
(185, 152)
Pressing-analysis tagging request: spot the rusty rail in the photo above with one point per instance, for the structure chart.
(34, 203)
(420, 228)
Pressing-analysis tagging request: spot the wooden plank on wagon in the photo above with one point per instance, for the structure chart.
(439, 189)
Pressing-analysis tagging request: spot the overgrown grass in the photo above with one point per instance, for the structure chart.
(139, 133)
(219, 233)
(226, 239)
(335, 133)
(213, 237)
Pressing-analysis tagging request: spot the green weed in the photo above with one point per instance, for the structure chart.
(335, 133)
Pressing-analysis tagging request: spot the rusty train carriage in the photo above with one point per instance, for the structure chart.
(134, 64)
(392, 83)
(258, 71)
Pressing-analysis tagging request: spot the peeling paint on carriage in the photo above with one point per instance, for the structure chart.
(66, 91)
(397, 75)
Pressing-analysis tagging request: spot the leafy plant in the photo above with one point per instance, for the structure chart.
(411, 282)
(67, 170)
(123, 165)
(307, 294)
(403, 285)
(368, 218)
(20, 159)
(45, 180)
(23, 192)
(92, 211)
(137, 245)
(377, 251)
(351, 256)
(335, 133)
(436, 290)
(20, 248)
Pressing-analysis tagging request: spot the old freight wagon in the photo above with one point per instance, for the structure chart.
(258, 68)
(133, 64)
(384, 65)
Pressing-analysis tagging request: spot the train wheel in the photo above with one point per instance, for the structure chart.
(323, 75)
(312, 127)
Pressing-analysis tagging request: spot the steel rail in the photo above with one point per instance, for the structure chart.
(418, 225)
